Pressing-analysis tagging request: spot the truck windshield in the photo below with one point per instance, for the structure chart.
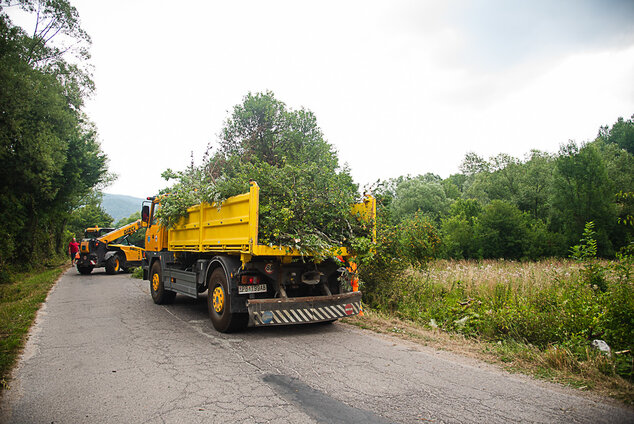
(157, 207)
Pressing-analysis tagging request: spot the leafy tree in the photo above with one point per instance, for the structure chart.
(263, 129)
(542, 242)
(454, 185)
(503, 231)
(419, 240)
(535, 184)
(583, 192)
(503, 183)
(423, 193)
(473, 164)
(49, 155)
(305, 195)
(460, 240)
(470, 209)
(58, 45)
(90, 214)
(621, 134)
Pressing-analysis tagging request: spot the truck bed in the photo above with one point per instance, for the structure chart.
(232, 227)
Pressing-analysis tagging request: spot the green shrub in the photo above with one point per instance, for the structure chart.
(419, 242)
(137, 273)
(618, 317)
(502, 229)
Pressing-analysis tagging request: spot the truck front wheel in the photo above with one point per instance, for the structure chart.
(218, 301)
(160, 296)
(113, 264)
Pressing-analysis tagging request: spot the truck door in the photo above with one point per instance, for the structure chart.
(156, 234)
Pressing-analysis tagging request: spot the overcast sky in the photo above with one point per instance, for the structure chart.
(398, 87)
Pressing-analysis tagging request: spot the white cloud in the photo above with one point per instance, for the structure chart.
(397, 86)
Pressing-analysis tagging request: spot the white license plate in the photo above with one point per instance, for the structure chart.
(256, 288)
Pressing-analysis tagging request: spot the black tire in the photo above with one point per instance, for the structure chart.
(218, 301)
(113, 264)
(160, 296)
(84, 270)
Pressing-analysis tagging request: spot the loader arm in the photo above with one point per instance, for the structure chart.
(122, 231)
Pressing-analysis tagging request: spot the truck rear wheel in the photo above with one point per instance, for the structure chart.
(160, 296)
(218, 301)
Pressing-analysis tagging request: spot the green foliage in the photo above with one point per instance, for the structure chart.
(423, 193)
(137, 273)
(379, 263)
(135, 239)
(459, 230)
(419, 240)
(586, 252)
(502, 229)
(542, 242)
(414, 242)
(49, 155)
(618, 316)
(305, 196)
(558, 194)
(584, 193)
(565, 312)
(58, 45)
(192, 187)
(626, 202)
(621, 134)
(459, 238)
(90, 214)
(535, 184)
(587, 249)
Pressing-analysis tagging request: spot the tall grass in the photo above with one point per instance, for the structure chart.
(548, 305)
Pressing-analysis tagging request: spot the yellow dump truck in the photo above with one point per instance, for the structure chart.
(215, 249)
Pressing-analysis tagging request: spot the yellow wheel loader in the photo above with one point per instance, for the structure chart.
(98, 249)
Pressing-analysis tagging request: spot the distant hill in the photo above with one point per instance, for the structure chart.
(120, 206)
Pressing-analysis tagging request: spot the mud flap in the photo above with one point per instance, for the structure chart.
(301, 310)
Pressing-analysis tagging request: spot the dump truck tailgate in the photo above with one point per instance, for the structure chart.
(297, 310)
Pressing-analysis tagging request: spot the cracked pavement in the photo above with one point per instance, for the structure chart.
(102, 352)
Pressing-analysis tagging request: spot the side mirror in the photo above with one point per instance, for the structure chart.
(145, 214)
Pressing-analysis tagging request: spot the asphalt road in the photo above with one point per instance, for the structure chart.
(101, 351)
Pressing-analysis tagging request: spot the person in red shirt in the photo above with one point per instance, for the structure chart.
(73, 248)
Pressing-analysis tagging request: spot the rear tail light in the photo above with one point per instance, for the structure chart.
(250, 279)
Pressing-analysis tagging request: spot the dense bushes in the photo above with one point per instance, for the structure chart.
(49, 154)
(544, 304)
